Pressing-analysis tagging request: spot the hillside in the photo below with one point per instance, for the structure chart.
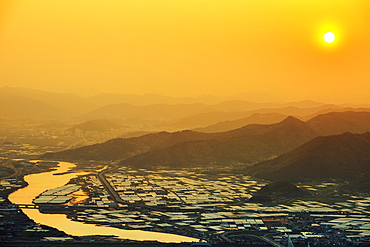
(334, 123)
(249, 144)
(100, 125)
(344, 156)
(278, 190)
(122, 148)
(114, 149)
(362, 184)
(246, 145)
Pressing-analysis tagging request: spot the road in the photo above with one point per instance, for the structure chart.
(115, 197)
(16, 172)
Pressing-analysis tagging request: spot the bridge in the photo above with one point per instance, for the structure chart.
(228, 236)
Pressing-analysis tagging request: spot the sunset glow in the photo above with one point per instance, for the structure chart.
(190, 122)
(188, 48)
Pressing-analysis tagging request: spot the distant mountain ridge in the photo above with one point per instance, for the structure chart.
(72, 105)
(152, 98)
(157, 110)
(65, 103)
(13, 107)
(255, 118)
(276, 115)
(207, 119)
(334, 123)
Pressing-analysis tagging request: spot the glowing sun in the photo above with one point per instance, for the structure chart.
(329, 37)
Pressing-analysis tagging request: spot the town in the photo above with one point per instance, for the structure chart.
(213, 208)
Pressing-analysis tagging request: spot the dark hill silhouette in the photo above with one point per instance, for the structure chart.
(122, 148)
(249, 144)
(114, 149)
(362, 184)
(278, 190)
(281, 188)
(246, 145)
(344, 156)
(226, 144)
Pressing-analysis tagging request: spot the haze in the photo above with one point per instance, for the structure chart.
(188, 48)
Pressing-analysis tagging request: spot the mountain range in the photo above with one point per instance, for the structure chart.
(48, 105)
(161, 112)
(247, 145)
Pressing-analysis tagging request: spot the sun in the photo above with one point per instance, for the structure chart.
(329, 37)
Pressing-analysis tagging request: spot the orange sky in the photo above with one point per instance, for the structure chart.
(188, 47)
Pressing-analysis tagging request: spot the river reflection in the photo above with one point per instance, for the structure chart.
(38, 183)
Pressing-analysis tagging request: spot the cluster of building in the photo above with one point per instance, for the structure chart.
(29, 139)
(179, 189)
(57, 195)
(25, 150)
(191, 204)
(314, 224)
(98, 195)
(9, 185)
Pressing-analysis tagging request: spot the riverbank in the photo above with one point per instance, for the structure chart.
(38, 183)
(86, 244)
(14, 224)
(104, 244)
(168, 202)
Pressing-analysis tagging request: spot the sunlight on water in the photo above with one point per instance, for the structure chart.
(38, 183)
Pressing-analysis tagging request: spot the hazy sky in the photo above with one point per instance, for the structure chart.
(188, 47)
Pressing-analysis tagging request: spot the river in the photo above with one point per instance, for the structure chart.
(38, 183)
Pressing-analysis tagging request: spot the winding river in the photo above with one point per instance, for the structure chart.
(38, 183)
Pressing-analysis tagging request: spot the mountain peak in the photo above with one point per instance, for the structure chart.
(290, 119)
